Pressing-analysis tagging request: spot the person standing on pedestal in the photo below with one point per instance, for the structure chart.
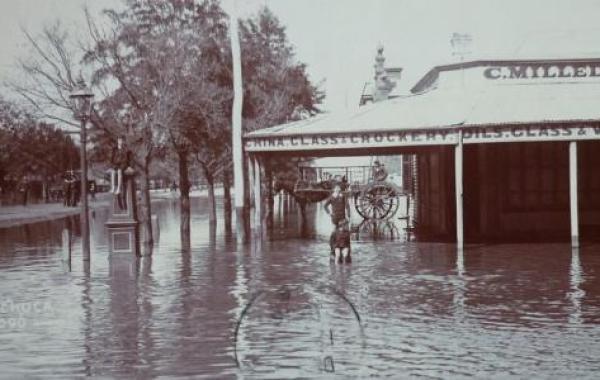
(120, 162)
(122, 224)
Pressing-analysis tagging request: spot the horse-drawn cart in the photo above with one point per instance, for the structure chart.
(373, 195)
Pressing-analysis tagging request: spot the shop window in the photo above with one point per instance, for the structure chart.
(589, 175)
(536, 177)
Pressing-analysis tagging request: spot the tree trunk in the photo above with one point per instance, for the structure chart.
(212, 208)
(45, 190)
(269, 195)
(248, 198)
(265, 200)
(184, 200)
(145, 212)
(303, 221)
(285, 207)
(227, 200)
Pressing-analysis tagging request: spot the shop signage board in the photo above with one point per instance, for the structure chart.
(352, 140)
(471, 135)
(529, 133)
(542, 71)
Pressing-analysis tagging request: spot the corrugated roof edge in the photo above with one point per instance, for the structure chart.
(279, 127)
(265, 132)
(468, 125)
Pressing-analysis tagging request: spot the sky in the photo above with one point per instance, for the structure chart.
(337, 39)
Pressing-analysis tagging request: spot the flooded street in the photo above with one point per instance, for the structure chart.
(280, 309)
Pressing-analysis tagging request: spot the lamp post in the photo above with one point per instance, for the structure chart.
(82, 104)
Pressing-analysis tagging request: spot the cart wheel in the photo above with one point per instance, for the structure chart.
(378, 201)
(378, 230)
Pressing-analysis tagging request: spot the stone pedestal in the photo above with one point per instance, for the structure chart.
(122, 225)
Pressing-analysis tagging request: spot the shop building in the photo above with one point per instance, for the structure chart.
(505, 150)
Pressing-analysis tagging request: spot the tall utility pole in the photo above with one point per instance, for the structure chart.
(461, 43)
(236, 128)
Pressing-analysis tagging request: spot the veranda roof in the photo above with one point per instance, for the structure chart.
(487, 105)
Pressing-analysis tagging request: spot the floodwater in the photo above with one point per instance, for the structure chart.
(280, 309)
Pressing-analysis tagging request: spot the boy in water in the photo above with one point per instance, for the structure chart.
(338, 207)
(340, 242)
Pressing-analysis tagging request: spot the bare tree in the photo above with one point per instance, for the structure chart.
(48, 74)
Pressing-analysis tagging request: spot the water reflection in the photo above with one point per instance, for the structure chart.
(425, 309)
(460, 286)
(67, 245)
(86, 304)
(576, 294)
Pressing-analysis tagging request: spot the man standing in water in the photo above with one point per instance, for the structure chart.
(338, 207)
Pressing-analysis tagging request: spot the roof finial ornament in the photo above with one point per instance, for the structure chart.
(383, 84)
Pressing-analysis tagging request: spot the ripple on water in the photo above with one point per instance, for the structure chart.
(503, 311)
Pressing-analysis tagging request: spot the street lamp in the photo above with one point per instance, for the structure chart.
(82, 106)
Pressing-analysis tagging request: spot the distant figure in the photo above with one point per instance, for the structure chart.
(379, 172)
(344, 183)
(75, 191)
(23, 190)
(340, 242)
(66, 191)
(174, 186)
(92, 189)
(70, 190)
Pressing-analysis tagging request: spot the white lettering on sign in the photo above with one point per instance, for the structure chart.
(351, 140)
(476, 135)
(543, 70)
(471, 135)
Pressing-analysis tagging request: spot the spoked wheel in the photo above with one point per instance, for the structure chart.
(378, 201)
(378, 230)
